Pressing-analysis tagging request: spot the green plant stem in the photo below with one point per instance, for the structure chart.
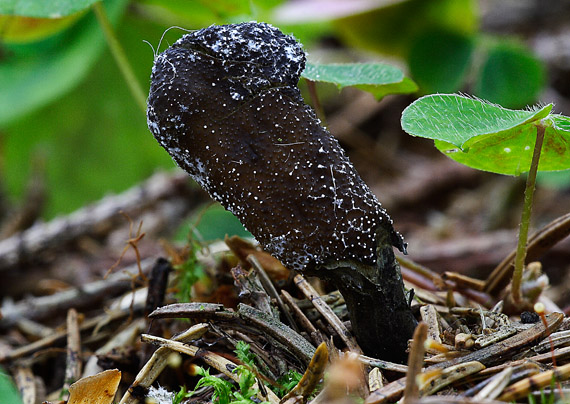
(120, 56)
(525, 216)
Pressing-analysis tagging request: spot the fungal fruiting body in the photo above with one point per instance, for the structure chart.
(224, 103)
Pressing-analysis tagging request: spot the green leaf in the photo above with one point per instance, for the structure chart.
(43, 8)
(439, 60)
(8, 391)
(34, 74)
(351, 74)
(377, 78)
(487, 136)
(25, 29)
(457, 119)
(511, 76)
(406, 86)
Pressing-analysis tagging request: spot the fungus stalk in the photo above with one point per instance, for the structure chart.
(224, 103)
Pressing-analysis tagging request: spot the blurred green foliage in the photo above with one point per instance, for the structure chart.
(45, 9)
(510, 76)
(94, 138)
(439, 60)
(395, 28)
(445, 51)
(189, 272)
(38, 68)
(64, 101)
(212, 223)
(8, 392)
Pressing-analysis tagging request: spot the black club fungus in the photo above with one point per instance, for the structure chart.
(224, 103)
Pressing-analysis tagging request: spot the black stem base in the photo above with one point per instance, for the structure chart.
(379, 310)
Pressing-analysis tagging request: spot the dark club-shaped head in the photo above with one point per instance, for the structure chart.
(224, 103)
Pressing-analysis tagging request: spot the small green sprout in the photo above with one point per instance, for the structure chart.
(545, 398)
(222, 388)
(243, 353)
(287, 382)
(225, 392)
(189, 272)
(492, 138)
(284, 384)
(181, 395)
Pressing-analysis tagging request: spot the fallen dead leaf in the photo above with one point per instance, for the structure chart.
(96, 389)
